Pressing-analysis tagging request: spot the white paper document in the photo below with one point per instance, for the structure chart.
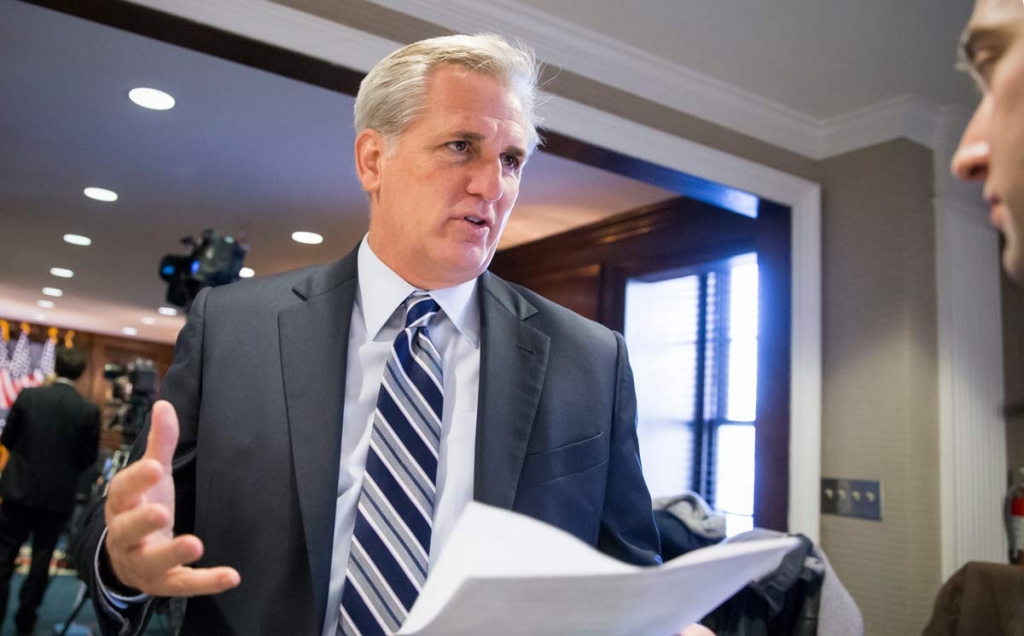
(504, 573)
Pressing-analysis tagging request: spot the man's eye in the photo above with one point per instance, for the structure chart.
(983, 65)
(983, 70)
(510, 161)
(458, 146)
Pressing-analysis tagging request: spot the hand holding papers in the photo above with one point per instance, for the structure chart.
(504, 573)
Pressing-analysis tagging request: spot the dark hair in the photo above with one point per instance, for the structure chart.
(69, 363)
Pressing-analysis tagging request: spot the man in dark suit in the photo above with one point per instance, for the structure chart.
(262, 454)
(52, 434)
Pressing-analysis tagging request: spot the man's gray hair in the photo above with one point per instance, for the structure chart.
(393, 93)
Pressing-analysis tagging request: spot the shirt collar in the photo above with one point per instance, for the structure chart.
(66, 381)
(381, 291)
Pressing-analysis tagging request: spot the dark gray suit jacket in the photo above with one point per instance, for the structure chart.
(258, 383)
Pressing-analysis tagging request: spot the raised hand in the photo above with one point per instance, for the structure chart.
(139, 512)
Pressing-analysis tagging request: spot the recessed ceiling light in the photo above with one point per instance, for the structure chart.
(101, 194)
(309, 238)
(77, 239)
(46, 304)
(168, 311)
(151, 98)
(149, 320)
(130, 331)
(247, 272)
(53, 291)
(61, 272)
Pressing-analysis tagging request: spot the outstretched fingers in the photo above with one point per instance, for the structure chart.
(186, 581)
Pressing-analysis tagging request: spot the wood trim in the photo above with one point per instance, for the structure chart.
(772, 441)
(671, 230)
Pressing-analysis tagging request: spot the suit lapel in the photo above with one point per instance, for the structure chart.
(314, 351)
(513, 360)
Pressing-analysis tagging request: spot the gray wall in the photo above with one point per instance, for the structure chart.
(880, 411)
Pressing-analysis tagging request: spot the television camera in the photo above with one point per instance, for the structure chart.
(214, 259)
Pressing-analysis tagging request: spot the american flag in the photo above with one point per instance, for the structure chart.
(49, 356)
(21, 364)
(8, 392)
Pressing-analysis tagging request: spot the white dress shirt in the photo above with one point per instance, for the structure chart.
(377, 319)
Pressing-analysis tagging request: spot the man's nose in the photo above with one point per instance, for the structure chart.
(970, 162)
(487, 181)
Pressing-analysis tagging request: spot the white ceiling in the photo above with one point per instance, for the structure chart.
(823, 58)
(243, 151)
(248, 151)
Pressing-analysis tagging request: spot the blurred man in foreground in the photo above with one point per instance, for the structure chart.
(988, 598)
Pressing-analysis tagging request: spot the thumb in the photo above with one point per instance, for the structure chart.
(163, 434)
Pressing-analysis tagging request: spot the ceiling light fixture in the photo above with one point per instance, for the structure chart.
(309, 238)
(130, 331)
(101, 194)
(46, 304)
(77, 239)
(148, 320)
(53, 291)
(61, 272)
(247, 272)
(168, 311)
(151, 98)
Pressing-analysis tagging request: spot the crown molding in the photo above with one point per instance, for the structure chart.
(907, 116)
(603, 59)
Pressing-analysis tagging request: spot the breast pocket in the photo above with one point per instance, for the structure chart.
(564, 461)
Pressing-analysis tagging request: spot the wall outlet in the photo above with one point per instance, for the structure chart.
(852, 498)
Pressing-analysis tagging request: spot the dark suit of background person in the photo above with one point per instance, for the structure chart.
(255, 465)
(52, 433)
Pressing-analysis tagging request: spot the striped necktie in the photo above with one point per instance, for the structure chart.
(391, 543)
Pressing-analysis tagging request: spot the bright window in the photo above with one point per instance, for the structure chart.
(692, 338)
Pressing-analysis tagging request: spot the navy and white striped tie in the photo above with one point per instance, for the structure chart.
(391, 543)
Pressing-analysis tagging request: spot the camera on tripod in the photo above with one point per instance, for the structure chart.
(133, 390)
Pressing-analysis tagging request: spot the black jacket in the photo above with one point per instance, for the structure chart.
(52, 433)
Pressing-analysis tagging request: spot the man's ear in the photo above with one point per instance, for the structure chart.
(370, 151)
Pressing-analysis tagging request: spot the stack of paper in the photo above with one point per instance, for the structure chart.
(504, 573)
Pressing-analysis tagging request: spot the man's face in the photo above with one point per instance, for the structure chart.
(992, 147)
(440, 198)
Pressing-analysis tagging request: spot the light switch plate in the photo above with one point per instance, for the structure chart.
(860, 498)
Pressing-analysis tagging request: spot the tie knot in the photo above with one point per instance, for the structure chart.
(419, 309)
